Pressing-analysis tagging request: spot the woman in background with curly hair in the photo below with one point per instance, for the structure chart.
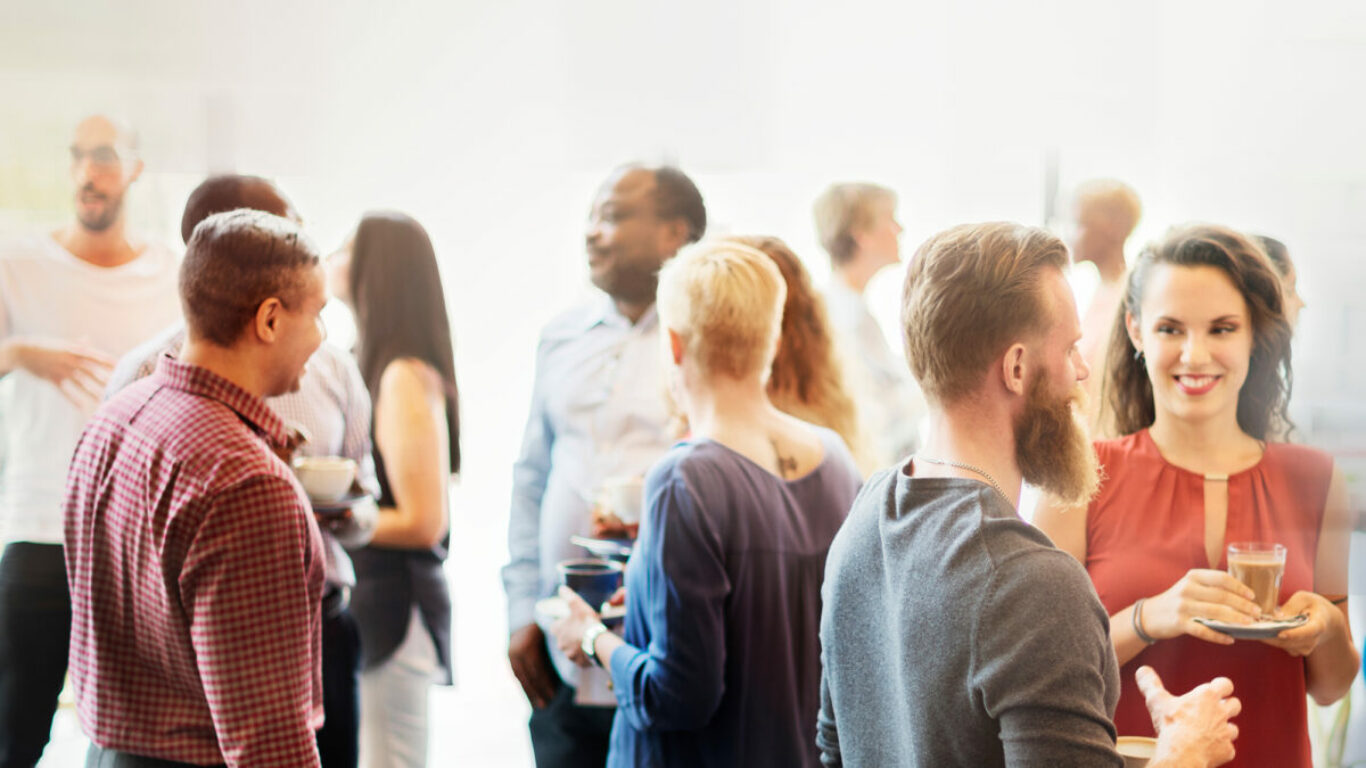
(806, 380)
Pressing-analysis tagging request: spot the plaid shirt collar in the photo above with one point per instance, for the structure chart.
(205, 383)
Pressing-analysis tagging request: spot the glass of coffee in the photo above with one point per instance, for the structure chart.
(1259, 565)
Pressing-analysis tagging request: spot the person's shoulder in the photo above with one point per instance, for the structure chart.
(17, 248)
(1118, 447)
(1020, 555)
(876, 498)
(158, 253)
(1299, 463)
(211, 440)
(337, 362)
(409, 376)
(571, 323)
(686, 458)
(1297, 455)
(837, 452)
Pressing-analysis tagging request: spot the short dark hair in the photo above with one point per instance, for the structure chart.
(234, 262)
(677, 197)
(228, 192)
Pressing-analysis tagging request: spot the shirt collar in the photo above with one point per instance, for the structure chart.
(205, 383)
(605, 313)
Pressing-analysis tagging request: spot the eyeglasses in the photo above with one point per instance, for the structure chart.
(103, 156)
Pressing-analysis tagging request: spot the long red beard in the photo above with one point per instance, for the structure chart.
(1052, 447)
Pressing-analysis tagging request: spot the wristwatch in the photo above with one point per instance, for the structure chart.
(589, 638)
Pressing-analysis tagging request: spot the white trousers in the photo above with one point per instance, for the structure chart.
(393, 703)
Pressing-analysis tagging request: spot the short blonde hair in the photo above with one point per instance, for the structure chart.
(1116, 201)
(843, 209)
(970, 293)
(726, 301)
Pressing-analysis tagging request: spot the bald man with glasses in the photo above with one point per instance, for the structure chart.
(71, 302)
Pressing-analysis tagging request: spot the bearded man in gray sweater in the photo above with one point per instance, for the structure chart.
(954, 633)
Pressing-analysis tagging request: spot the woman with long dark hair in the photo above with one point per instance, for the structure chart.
(388, 276)
(1198, 381)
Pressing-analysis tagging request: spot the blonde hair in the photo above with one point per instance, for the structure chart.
(971, 292)
(1116, 201)
(843, 209)
(805, 379)
(726, 301)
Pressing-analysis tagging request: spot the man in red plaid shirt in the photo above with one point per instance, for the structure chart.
(195, 565)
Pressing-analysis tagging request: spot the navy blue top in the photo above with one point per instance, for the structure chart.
(722, 662)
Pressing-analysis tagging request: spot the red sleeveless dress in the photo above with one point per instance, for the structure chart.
(1146, 528)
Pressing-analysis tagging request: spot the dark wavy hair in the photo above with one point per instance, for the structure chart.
(1263, 399)
(400, 307)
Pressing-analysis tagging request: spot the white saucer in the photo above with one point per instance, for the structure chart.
(555, 608)
(1257, 630)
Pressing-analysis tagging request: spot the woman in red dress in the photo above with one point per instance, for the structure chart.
(1199, 375)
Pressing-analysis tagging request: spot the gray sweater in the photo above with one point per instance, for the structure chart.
(955, 634)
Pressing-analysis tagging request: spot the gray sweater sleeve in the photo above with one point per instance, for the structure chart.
(1040, 665)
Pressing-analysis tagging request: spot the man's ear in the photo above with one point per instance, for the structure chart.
(675, 235)
(1015, 370)
(136, 170)
(266, 324)
(676, 346)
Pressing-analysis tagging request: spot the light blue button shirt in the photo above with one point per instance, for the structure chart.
(598, 410)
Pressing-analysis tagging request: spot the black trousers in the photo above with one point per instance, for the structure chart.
(566, 735)
(99, 757)
(35, 631)
(339, 738)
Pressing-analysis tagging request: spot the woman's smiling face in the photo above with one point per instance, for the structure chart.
(1195, 331)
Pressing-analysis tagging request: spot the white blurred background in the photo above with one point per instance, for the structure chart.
(492, 123)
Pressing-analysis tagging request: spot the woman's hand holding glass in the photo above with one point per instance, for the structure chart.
(1201, 593)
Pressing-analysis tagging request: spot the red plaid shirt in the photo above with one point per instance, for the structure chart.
(196, 571)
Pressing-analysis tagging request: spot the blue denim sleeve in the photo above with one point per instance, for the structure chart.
(679, 589)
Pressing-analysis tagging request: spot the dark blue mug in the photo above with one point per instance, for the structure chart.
(595, 580)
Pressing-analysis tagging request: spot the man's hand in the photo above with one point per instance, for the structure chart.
(531, 664)
(1193, 730)
(79, 372)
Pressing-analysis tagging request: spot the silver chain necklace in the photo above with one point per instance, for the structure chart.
(968, 467)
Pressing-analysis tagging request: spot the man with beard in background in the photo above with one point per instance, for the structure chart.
(71, 302)
(597, 412)
(953, 633)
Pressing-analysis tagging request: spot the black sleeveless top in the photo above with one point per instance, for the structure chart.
(389, 582)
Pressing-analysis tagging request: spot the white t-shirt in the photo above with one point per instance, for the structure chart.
(890, 404)
(46, 292)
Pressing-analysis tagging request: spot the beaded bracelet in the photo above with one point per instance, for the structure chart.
(1137, 621)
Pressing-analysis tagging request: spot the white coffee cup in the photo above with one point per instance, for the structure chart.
(624, 497)
(325, 478)
(1136, 750)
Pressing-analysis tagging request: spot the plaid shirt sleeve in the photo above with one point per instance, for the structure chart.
(249, 587)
